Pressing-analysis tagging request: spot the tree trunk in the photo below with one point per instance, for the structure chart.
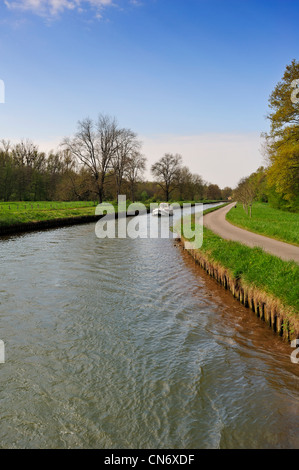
(132, 194)
(167, 194)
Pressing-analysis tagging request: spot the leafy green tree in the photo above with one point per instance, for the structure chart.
(196, 188)
(284, 111)
(282, 142)
(214, 192)
(226, 192)
(184, 183)
(283, 172)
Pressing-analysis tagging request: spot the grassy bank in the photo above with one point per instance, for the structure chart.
(263, 282)
(26, 212)
(18, 213)
(254, 267)
(267, 221)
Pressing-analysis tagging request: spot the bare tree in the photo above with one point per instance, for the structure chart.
(25, 156)
(108, 133)
(167, 171)
(7, 176)
(135, 167)
(196, 187)
(25, 153)
(184, 182)
(94, 145)
(127, 147)
(245, 193)
(6, 145)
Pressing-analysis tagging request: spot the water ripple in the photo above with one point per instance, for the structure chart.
(128, 344)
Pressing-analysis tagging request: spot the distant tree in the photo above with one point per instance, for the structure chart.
(214, 192)
(259, 180)
(7, 171)
(27, 160)
(245, 193)
(94, 145)
(134, 170)
(144, 196)
(25, 153)
(197, 188)
(127, 146)
(226, 192)
(167, 171)
(184, 180)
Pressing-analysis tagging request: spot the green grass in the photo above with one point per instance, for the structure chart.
(17, 206)
(273, 223)
(254, 267)
(12, 213)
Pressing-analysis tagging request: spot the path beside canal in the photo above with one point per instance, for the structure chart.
(217, 222)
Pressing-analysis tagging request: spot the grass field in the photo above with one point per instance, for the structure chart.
(267, 221)
(14, 213)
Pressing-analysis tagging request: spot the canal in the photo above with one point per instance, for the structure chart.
(121, 343)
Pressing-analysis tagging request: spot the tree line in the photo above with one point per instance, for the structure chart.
(102, 160)
(278, 182)
(99, 162)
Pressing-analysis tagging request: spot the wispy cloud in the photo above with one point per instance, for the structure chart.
(56, 7)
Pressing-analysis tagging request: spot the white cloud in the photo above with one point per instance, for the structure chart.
(54, 7)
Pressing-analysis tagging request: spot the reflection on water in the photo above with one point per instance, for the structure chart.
(128, 344)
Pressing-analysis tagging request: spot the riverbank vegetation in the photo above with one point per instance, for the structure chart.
(267, 221)
(254, 267)
(99, 162)
(261, 281)
(16, 213)
(264, 283)
(278, 182)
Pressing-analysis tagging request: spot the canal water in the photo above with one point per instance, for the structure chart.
(121, 343)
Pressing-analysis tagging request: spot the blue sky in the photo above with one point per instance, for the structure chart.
(189, 76)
